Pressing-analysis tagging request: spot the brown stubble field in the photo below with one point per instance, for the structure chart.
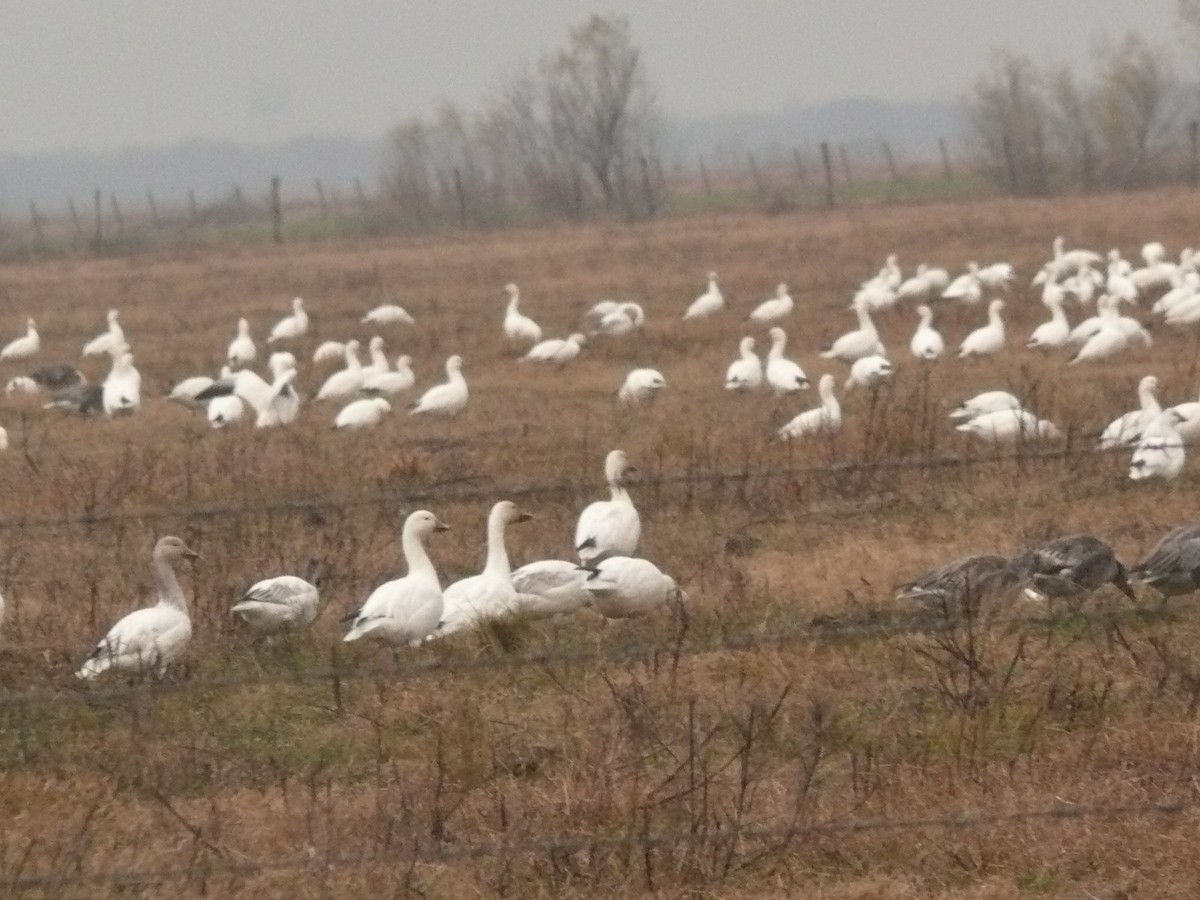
(725, 752)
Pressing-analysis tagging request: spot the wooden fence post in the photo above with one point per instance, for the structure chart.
(75, 218)
(648, 188)
(704, 177)
(362, 198)
(321, 202)
(947, 172)
(99, 233)
(276, 211)
(890, 160)
(154, 217)
(193, 209)
(38, 234)
(116, 213)
(1010, 164)
(760, 185)
(846, 173)
(801, 172)
(1194, 147)
(827, 163)
(461, 195)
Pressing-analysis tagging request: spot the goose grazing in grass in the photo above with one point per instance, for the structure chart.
(25, 346)
(188, 390)
(1071, 566)
(392, 382)
(406, 609)
(518, 327)
(1053, 334)
(122, 388)
(1185, 419)
(641, 386)
(778, 307)
(981, 404)
(241, 349)
(987, 340)
(1172, 567)
(622, 587)
(870, 372)
(388, 314)
(281, 403)
(926, 342)
(284, 603)
(746, 372)
(626, 318)
(550, 587)
(928, 283)
(557, 351)
(862, 341)
(1009, 426)
(609, 527)
(446, 399)
(963, 585)
(361, 414)
(226, 410)
(824, 419)
(105, 341)
(783, 375)
(1159, 454)
(85, 399)
(707, 304)
(149, 639)
(328, 351)
(290, 327)
(345, 382)
(490, 594)
(57, 377)
(1126, 430)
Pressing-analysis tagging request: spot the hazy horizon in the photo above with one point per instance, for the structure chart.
(97, 77)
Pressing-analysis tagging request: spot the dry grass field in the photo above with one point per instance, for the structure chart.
(783, 738)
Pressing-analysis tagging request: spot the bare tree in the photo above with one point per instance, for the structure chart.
(1070, 116)
(409, 180)
(1008, 116)
(1134, 91)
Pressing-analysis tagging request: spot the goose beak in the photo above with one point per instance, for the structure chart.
(441, 526)
(189, 553)
(523, 517)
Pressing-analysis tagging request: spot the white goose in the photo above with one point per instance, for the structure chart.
(778, 307)
(106, 340)
(490, 594)
(609, 527)
(550, 587)
(25, 346)
(1185, 419)
(518, 327)
(826, 418)
(1126, 430)
(783, 375)
(625, 318)
(988, 339)
(1159, 454)
(379, 361)
(870, 372)
(622, 587)
(746, 372)
(707, 304)
(1009, 426)
(1053, 334)
(557, 351)
(225, 410)
(154, 637)
(406, 609)
(926, 342)
(641, 386)
(241, 349)
(344, 382)
(982, 404)
(388, 314)
(281, 405)
(284, 603)
(862, 341)
(446, 399)
(328, 351)
(392, 382)
(290, 327)
(925, 285)
(122, 389)
(361, 414)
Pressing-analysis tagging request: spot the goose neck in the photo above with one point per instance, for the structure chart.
(169, 591)
(418, 560)
(497, 552)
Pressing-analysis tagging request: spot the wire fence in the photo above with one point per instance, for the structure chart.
(1061, 814)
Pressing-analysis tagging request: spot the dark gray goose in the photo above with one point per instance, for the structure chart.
(962, 586)
(1172, 566)
(1071, 567)
(85, 399)
(58, 377)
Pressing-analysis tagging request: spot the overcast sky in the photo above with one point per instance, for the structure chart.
(91, 74)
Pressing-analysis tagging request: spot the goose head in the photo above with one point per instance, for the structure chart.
(382, 405)
(403, 361)
(31, 325)
(352, 348)
(577, 339)
(925, 314)
(113, 315)
(454, 365)
(376, 344)
(781, 290)
(281, 362)
(173, 549)
(298, 304)
(423, 523)
(506, 513)
(825, 387)
(511, 290)
(616, 465)
(994, 309)
(778, 338)
(747, 347)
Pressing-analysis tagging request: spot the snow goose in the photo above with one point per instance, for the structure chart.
(360, 414)
(1119, 284)
(1185, 419)
(641, 386)
(963, 585)
(1172, 566)
(406, 609)
(707, 304)
(1184, 288)
(558, 351)
(1112, 333)
(106, 340)
(446, 399)
(622, 587)
(187, 391)
(328, 351)
(290, 327)
(281, 404)
(1126, 430)
(550, 587)
(490, 594)
(826, 418)
(388, 314)
(392, 382)
(609, 527)
(925, 285)
(1009, 426)
(25, 346)
(996, 277)
(981, 404)
(783, 375)
(241, 349)
(746, 372)
(966, 287)
(344, 382)
(85, 399)
(774, 309)
(154, 637)
(379, 361)
(122, 388)
(623, 319)
(863, 341)
(1081, 286)
(1066, 262)
(1053, 334)
(283, 603)
(1159, 454)
(22, 384)
(58, 376)
(518, 327)
(869, 372)
(988, 339)
(1071, 566)
(926, 342)
(878, 293)
(225, 410)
